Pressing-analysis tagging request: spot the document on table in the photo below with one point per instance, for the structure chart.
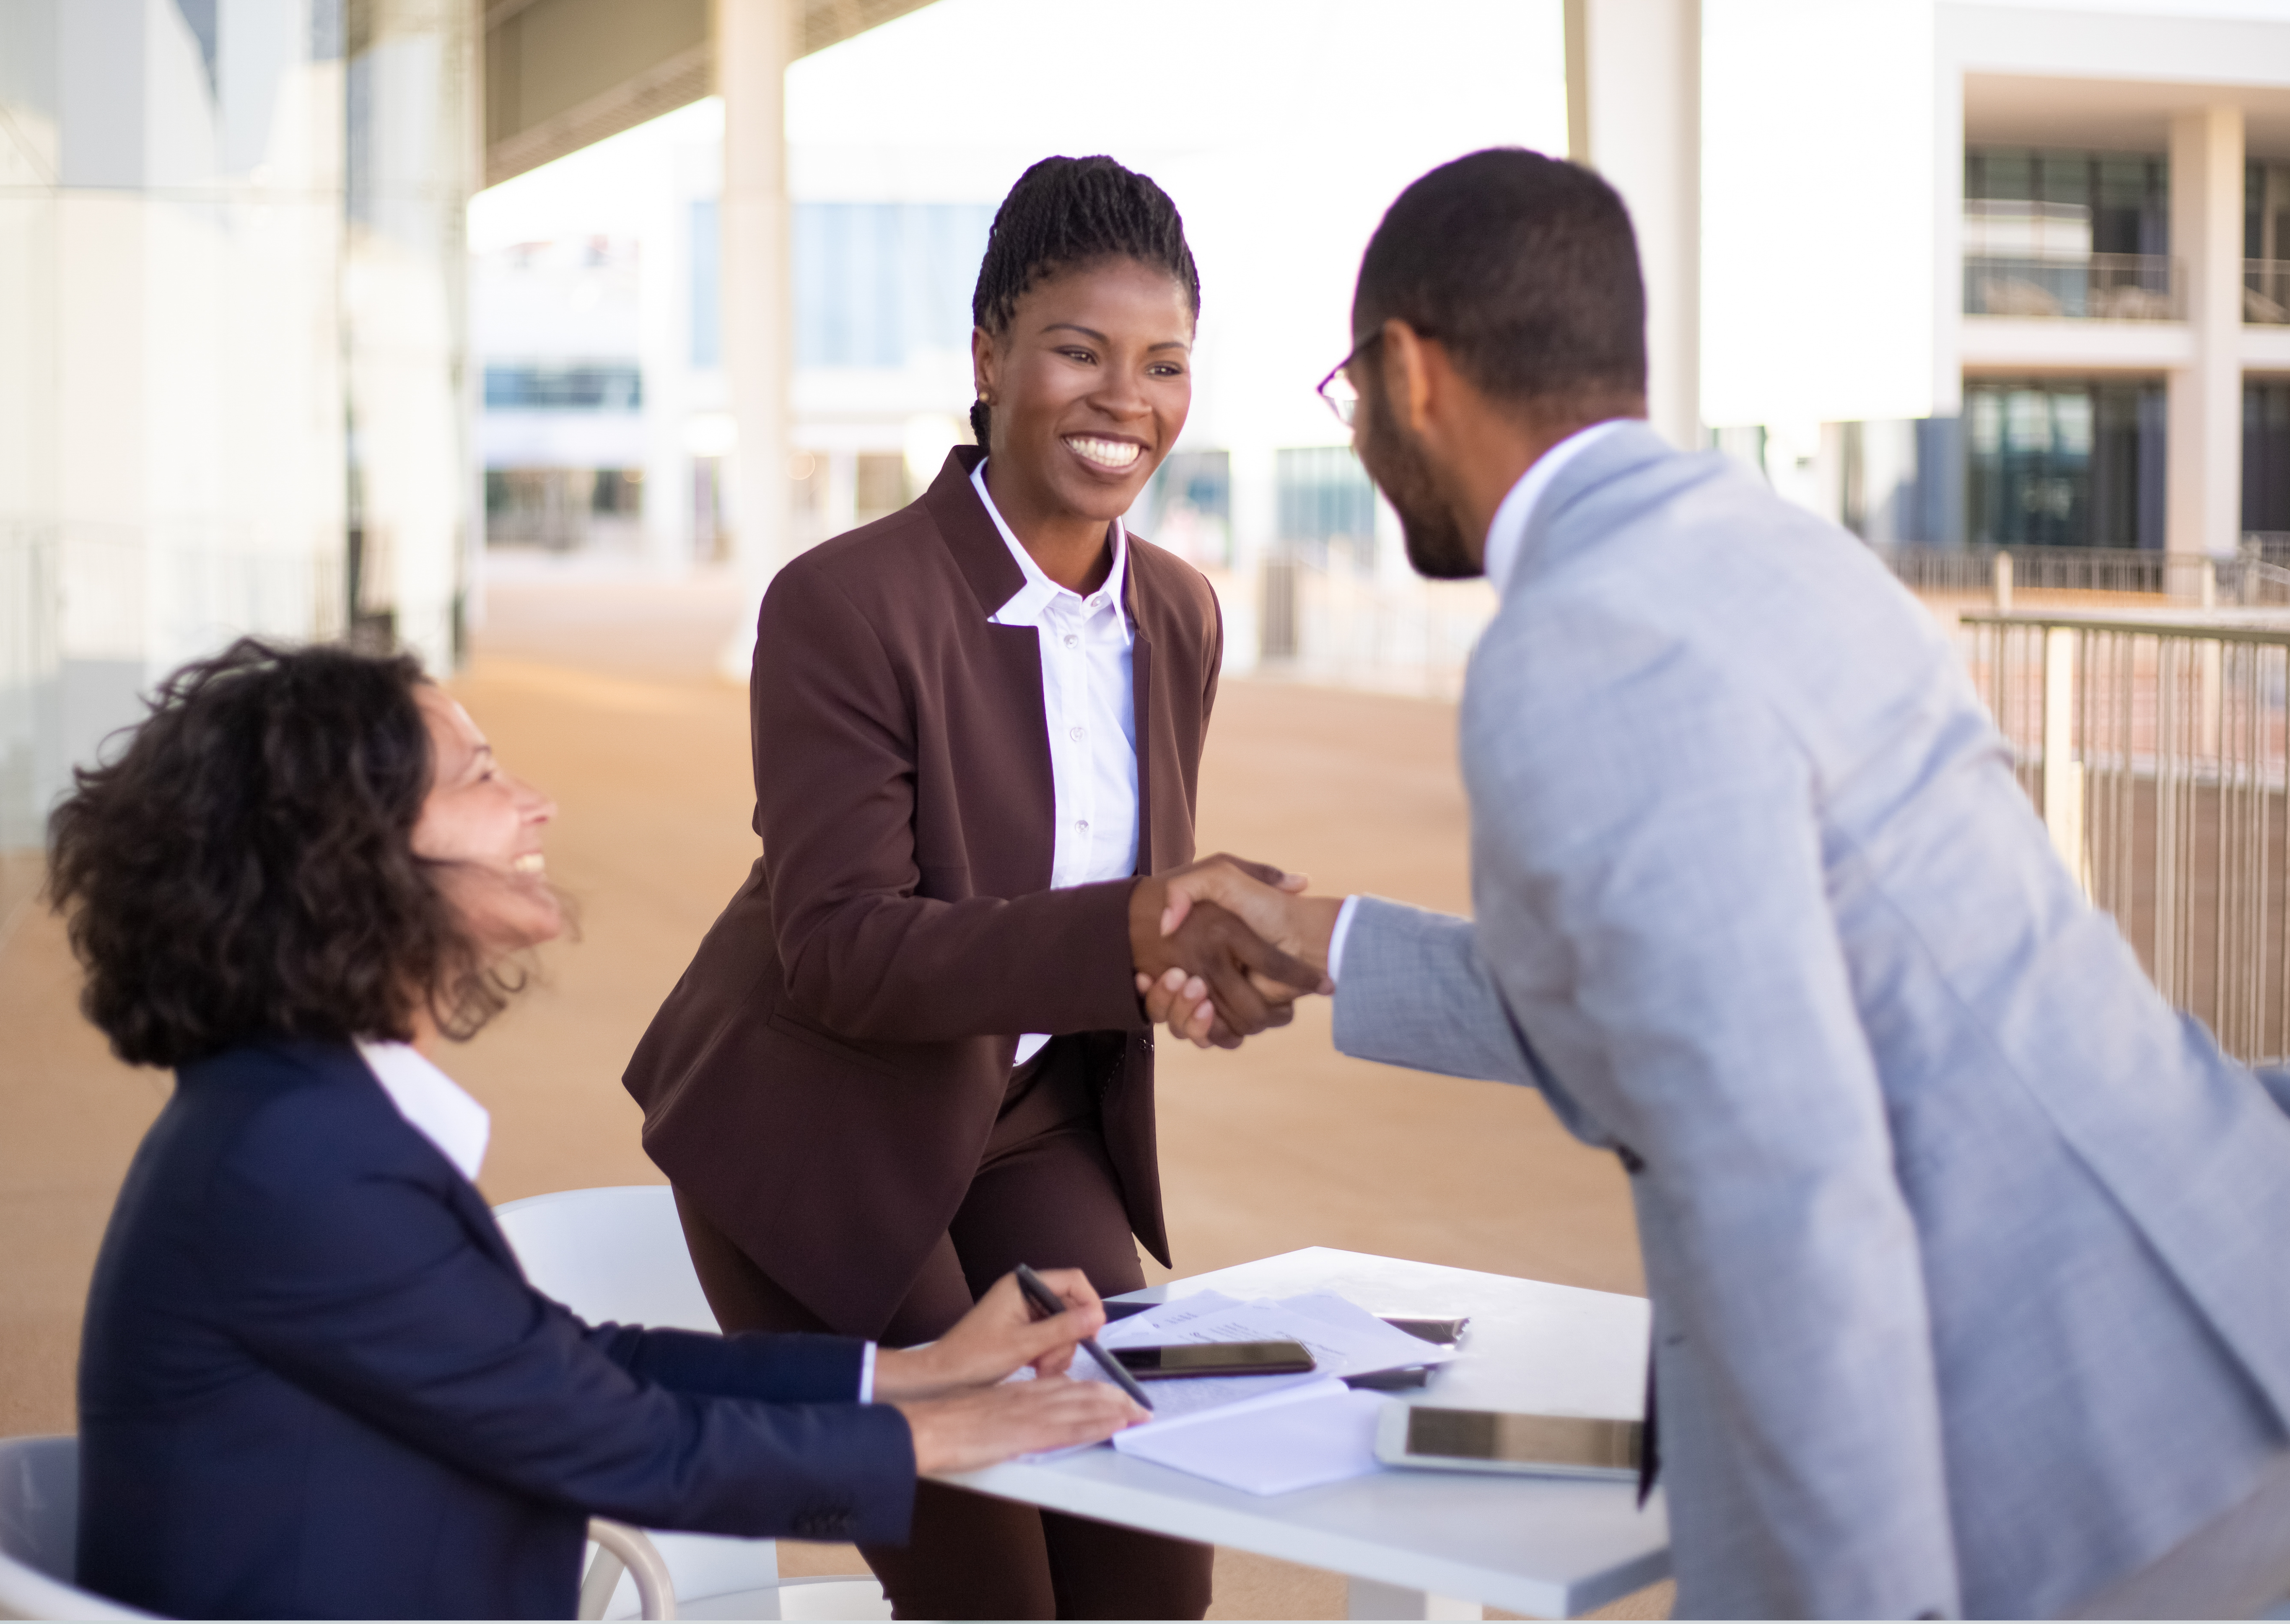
(1265, 1433)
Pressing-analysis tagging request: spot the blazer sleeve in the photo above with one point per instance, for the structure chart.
(1653, 815)
(363, 1287)
(792, 1368)
(1416, 993)
(835, 787)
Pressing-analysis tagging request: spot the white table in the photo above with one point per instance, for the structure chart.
(1418, 1545)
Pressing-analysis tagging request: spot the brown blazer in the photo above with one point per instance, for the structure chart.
(822, 1080)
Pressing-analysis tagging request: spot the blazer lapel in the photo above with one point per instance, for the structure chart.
(1008, 740)
(1140, 684)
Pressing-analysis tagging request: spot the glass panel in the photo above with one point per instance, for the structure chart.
(2063, 463)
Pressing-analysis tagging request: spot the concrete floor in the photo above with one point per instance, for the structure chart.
(602, 695)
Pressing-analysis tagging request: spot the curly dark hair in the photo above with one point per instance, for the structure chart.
(1068, 212)
(245, 868)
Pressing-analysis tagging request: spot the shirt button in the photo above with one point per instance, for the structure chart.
(1077, 733)
(1072, 642)
(1082, 824)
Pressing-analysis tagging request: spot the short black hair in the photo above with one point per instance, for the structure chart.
(244, 866)
(1526, 268)
(1068, 212)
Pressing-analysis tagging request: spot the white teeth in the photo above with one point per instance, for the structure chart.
(1105, 453)
(532, 862)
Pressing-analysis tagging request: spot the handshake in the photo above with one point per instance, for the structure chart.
(1224, 947)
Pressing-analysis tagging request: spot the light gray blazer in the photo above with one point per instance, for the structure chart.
(1970, 1258)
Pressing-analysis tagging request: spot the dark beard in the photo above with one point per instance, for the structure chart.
(1436, 545)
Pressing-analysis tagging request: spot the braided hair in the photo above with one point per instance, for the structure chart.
(1066, 211)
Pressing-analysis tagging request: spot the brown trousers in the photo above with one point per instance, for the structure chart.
(1045, 1194)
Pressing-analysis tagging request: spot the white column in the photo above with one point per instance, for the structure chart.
(755, 40)
(1634, 113)
(2204, 477)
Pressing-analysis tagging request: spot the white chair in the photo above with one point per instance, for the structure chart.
(39, 1524)
(617, 1254)
(39, 1528)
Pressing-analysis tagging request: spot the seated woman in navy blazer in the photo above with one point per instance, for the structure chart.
(313, 1381)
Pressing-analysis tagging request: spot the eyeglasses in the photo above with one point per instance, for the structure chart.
(1336, 388)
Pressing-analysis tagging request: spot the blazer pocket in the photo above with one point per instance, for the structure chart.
(826, 1043)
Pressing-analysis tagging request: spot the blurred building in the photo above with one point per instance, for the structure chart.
(231, 387)
(2092, 294)
(1957, 273)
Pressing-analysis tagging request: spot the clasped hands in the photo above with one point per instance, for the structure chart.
(1224, 947)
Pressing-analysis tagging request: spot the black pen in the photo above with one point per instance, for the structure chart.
(1048, 1304)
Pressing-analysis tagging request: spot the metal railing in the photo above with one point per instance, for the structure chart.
(2122, 287)
(2266, 291)
(2154, 745)
(2033, 568)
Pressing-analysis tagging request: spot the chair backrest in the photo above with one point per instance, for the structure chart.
(615, 1253)
(39, 1530)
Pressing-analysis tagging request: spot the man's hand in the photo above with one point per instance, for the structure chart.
(1267, 902)
(1249, 983)
(997, 1336)
(991, 1424)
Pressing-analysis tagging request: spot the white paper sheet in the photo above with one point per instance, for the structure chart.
(1298, 1440)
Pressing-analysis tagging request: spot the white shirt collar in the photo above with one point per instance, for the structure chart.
(433, 1102)
(1027, 603)
(1507, 533)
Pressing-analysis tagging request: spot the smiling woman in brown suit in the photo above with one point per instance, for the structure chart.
(909, 1055)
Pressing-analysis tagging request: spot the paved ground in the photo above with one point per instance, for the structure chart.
(601, 695)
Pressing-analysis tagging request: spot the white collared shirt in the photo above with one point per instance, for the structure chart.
(1506, 534)
(1090, 709)
(436, 1106)
(443, 1113)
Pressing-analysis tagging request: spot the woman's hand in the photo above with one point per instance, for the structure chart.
(991, 1424)
(997, 1336)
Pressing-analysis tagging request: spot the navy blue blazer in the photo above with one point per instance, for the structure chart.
(315, 1384)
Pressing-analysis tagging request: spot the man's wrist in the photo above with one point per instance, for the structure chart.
(1337, 935)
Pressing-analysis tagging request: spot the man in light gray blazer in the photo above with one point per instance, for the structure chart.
(1970, 1258)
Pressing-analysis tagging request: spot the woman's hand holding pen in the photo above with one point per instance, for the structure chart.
(947, 1391)
(997, 1336)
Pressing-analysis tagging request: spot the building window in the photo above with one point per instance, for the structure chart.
(601, 386)
(2068, 234)
(2266, 462)
(2059, 462)
(1326, 502)
(1188, 508)
(879, 284)
(563, 510)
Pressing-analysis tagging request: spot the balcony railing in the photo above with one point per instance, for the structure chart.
(2266, 291)
(2154, 747)
(1972, 570)
(2120, 287)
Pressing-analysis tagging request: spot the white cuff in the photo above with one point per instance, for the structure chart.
(867, 1375)
(1336, 938)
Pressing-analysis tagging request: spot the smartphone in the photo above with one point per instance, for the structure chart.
(1494, 1440)
(1280, 1358)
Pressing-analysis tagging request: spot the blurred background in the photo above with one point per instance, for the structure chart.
(533, 335)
